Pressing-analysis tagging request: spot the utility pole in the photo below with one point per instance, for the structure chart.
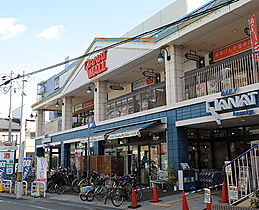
(21, 149)
(10, 109)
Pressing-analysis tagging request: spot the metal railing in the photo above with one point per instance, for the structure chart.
(242, 175)
(236, 73)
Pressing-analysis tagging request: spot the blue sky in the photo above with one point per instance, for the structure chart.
(35, 34)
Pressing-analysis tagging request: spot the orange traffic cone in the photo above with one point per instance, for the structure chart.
(155, 196)
(185, 204)
(209, 204)
(224, 194)
(134, 203)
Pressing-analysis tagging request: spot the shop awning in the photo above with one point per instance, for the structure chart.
(97, 136)
(129, 131)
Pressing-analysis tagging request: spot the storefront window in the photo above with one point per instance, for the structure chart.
(191, 134)
(252, 130)
(205, 155)
(235, 131)
(145, 100)
(204, 134)
(219, 133)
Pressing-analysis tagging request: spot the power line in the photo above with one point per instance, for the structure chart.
(156, 30)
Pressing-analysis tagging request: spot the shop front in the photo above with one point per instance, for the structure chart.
(138, 149)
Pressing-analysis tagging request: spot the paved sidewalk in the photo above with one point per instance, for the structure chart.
(173, 201)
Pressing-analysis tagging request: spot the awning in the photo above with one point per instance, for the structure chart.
(97, 136)
(129, 131)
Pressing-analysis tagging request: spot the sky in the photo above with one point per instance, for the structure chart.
(37, 34)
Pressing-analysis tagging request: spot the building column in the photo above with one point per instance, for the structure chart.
(40, 123)
(177, 143)
(100, 97)
(62, 154)
(67, 113)
(174, 70)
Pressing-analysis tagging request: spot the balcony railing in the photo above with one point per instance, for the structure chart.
(145, 99)
(236, 73)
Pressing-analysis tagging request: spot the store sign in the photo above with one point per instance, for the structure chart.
(26, 167)
(124, 134)
(143, 83)
(207, 195)
(242, 113)
(7, 146)
(3, 164)
(83, 105)
(193, 57)
(45, 141)
(232, 49)
(97, 65)
(233, 193)
(9, 158)
(254, 36)
(41, 169)
(217, 105)
(229, 92)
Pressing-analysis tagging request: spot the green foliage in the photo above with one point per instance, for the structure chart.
(255, 201)
(171, 174)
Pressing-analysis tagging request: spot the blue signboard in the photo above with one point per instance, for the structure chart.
(26, 167)
(3, 164)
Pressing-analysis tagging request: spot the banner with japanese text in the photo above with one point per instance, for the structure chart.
(8, 156)
(26, 167)
(41, 169)
(3, 165)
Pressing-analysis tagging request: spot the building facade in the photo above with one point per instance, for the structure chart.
(199, 105)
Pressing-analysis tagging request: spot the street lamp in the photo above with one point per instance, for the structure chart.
(57, 104)
(160, 57)
(89, 90)
(88, 143)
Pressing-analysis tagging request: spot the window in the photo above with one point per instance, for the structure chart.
(56, 83)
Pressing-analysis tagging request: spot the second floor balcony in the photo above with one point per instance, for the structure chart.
(235, 73)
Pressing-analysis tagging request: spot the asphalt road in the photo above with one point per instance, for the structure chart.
(10, 203)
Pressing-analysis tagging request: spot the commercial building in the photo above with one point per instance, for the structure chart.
(200, 105)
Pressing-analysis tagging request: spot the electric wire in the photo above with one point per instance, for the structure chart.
(156, 30)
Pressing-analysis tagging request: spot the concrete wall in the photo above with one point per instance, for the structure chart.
(167, 15)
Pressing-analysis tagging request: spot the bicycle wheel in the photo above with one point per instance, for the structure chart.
(117, 197)
(90, 196)
(60, 189)
(51, 187)
(138, 192)
(75, 185)
(83, 197)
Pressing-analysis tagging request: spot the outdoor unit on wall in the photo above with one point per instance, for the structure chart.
(116, 86)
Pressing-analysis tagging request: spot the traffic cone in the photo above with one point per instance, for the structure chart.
(38, 191)
(134, 203)
(185, 204)
(209, 204)
(155, 197)
(224, 194)
(1, 187)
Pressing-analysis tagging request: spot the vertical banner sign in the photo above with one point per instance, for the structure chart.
(26, 167)
(254, 37)
(233, 193)
(8, 156)
(41, 169)
(3, 164)
(207, 195)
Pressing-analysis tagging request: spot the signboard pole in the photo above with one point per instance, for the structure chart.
(21, 148)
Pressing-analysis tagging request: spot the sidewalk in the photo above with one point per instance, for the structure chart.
(172, 200)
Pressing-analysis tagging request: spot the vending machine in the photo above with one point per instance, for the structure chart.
(186, 178)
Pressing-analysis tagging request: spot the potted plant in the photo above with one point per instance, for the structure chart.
(172, 180)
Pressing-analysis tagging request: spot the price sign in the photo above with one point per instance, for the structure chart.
(207, 195)
(3, 165)
(233, 194)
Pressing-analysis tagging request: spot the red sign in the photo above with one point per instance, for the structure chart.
(87, 103)
(97, 65)
(254, 35)
(233, 49)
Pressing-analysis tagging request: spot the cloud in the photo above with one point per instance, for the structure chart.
(9, 29)
(194, 4)
(52, 32)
